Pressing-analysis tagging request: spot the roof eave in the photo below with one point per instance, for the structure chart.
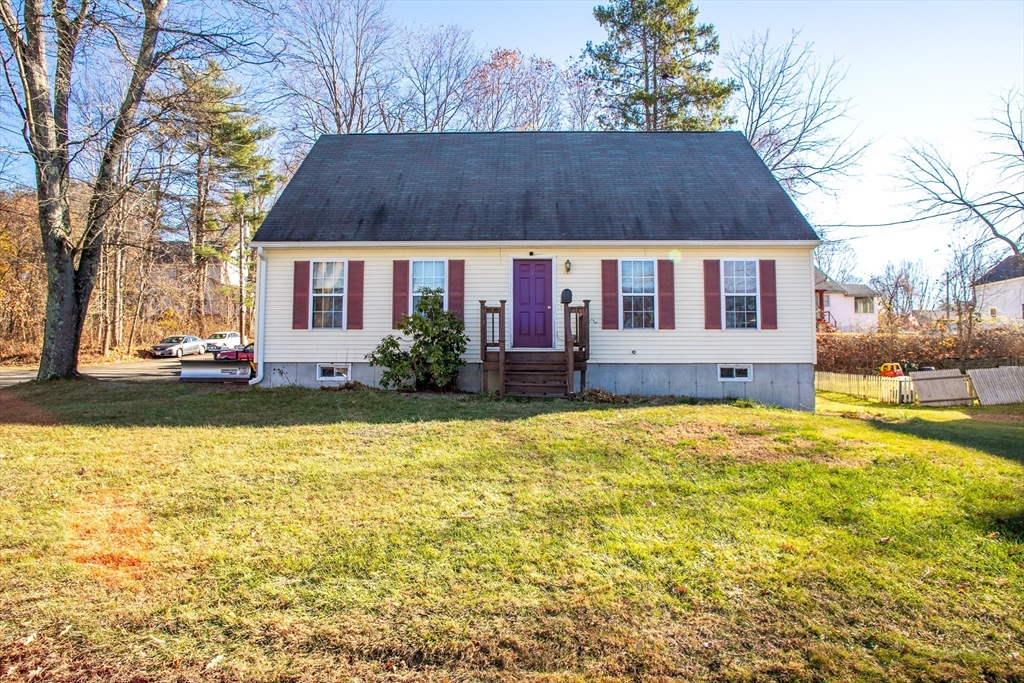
(487, 244)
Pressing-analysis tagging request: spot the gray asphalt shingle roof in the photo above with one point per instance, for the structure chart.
(533, 187)
(826, 284)
(1007, 269)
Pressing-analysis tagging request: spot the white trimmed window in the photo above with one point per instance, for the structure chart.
(637, 294)
(327, 290)
(864, 304)
(428, 275)
(333, 372)
(739, 286)
(735, 373)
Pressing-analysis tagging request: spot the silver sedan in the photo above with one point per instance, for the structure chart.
(178, 346)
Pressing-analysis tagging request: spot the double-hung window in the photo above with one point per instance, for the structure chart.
(637, 294)
(328, 293)
(864, 304)
(739, 285)
(428, 275)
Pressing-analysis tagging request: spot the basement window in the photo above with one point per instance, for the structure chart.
(735, 373)
(333, 372)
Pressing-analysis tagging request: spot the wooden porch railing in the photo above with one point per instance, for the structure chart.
(492, 336)
(577, 343)
(826, 321)
(525, 367)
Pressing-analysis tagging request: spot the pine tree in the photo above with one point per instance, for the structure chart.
(654, 69)
(227, 179)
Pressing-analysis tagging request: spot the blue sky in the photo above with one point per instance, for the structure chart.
(921, 71)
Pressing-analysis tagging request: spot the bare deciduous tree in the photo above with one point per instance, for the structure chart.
(540, 100)
(789, 108)
(47, 48)
(901, 288)
(335, 52)
(836, 258)
(582, 98)
(997, 211)
(969, 261)
(512, 92)
(437, 64)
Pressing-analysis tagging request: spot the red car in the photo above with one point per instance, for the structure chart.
(246, 353)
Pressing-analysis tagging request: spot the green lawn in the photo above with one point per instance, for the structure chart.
(168, 532)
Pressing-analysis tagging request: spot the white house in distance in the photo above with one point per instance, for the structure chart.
(688, 267)
(1000, 292)
(845, 307)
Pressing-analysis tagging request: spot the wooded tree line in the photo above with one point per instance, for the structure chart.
(159, 131)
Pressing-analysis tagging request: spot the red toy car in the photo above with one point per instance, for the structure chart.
(890, 370)
(246, 353)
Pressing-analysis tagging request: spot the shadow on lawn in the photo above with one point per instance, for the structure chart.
(1003, 439)
(128, 404)
(1010, 527)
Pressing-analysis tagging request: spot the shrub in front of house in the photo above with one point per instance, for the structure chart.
(434, 357)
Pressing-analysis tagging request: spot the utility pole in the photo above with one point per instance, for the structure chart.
(947, 296)
(241, 278)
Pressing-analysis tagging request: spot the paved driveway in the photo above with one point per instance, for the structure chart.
(156, 370)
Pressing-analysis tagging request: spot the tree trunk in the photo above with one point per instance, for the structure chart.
(119, 299)
(106, 323)
(62, 330)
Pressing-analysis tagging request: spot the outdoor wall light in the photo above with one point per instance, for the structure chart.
(568, 265)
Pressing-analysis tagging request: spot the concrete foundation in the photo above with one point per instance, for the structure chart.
(787, 385)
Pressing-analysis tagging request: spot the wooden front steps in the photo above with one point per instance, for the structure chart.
(536, 373)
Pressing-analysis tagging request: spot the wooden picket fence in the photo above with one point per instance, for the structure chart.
(872, 387)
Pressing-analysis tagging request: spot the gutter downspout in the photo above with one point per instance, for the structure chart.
(261, 313)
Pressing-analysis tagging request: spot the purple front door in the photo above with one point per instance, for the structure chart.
(531, 304)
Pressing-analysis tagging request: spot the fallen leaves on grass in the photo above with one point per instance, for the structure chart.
(600, 396)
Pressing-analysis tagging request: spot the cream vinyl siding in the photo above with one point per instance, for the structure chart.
(488, 272)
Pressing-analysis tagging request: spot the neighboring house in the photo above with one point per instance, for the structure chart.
(845, 307)
(1000, 292)
(172, 271)
(689, 266)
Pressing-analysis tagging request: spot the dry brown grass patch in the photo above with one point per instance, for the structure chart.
(1006, 418)
(110, 535)
(745, 445)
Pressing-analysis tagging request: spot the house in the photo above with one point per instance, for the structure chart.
(844, 307)
(1000, 291)
(173, 269)
(686, 265)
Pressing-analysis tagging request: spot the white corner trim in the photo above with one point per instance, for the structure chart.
(261, 313)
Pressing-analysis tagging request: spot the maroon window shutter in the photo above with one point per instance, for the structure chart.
(712, 295)
(300, 296)
(666, 295)
(609, 294)
(399, 292)
(457, 286)
(355, 295)
(769, 312)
